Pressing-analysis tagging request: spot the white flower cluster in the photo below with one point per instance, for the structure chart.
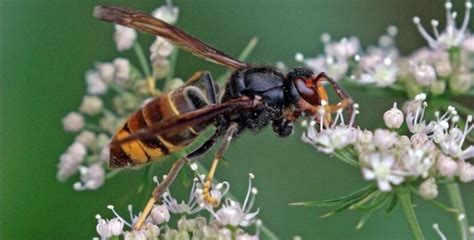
(226, 222)
(433, 150)
(444, 66)
(114, 91)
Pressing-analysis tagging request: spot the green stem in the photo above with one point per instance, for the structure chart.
(141, 58)
(265, 230)
(404, 197)
(456, 200)
(346, 159)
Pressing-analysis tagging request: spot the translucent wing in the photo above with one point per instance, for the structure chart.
(146, 23)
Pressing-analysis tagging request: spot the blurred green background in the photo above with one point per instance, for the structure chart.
(46, 47)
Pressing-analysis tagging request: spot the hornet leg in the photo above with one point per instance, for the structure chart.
(345, 100)
(220, 152)
(163, 186)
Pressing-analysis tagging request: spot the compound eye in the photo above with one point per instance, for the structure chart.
(307, 90)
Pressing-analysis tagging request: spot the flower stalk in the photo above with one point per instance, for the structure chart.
(404, 197)
(454, 193)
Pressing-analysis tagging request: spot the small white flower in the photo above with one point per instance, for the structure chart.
(417, 162)
(231, 214)
(86, 137)
(466, 172)
(468, 44)
(384, 139)
(461, 82)
(167, 13)
(122, 70)
(451, 36)
(383, 74)
(73, 122)
(109, 228)
(330, 139)
(415, 118)
(70, 160)
(105, 154)
(124, 37)
(381, 169)
(247, 237)
(116, 226)
(428, 189)
(160, 48)
(336, 68)
(425, 74)
(91, 105)
(393, 118)
(446, 166)
(103, 229)
(95, 85)
(451, 140)
(91, 178)
(343, 49)
(106, 71)
(334, 137)
(160, 214)
(135, 235)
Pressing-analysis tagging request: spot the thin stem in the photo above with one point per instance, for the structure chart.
(265, 230)
(404, 197)
(141, 58)
(346, 159)
(456, 200)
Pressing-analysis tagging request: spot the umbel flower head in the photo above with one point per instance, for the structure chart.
(435, 149)
(451, 36)
(445, 66)
(115, 89)
(229, 219)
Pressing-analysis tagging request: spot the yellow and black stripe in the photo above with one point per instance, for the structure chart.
(167, 105)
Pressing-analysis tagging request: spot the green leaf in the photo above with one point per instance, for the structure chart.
(392, 204)
(363, 220)
(376, 203)
(353, 197)
(444, 207)
(338, 210)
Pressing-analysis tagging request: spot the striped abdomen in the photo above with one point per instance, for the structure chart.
(167, 105)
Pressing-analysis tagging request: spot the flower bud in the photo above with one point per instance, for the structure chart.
(124, 37)
(460, 83)
(73, 122)
(167, 13)
(91, 105)
(116, 226)
(106, 71)
(393, 118)
(103, 230)
(384, 139)
(466, 172)
(122, 71)
(160, 214)
(151, 231)
(428, 189)
(135, 235)
(425, 74)
(446, 166)
(86, 137)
